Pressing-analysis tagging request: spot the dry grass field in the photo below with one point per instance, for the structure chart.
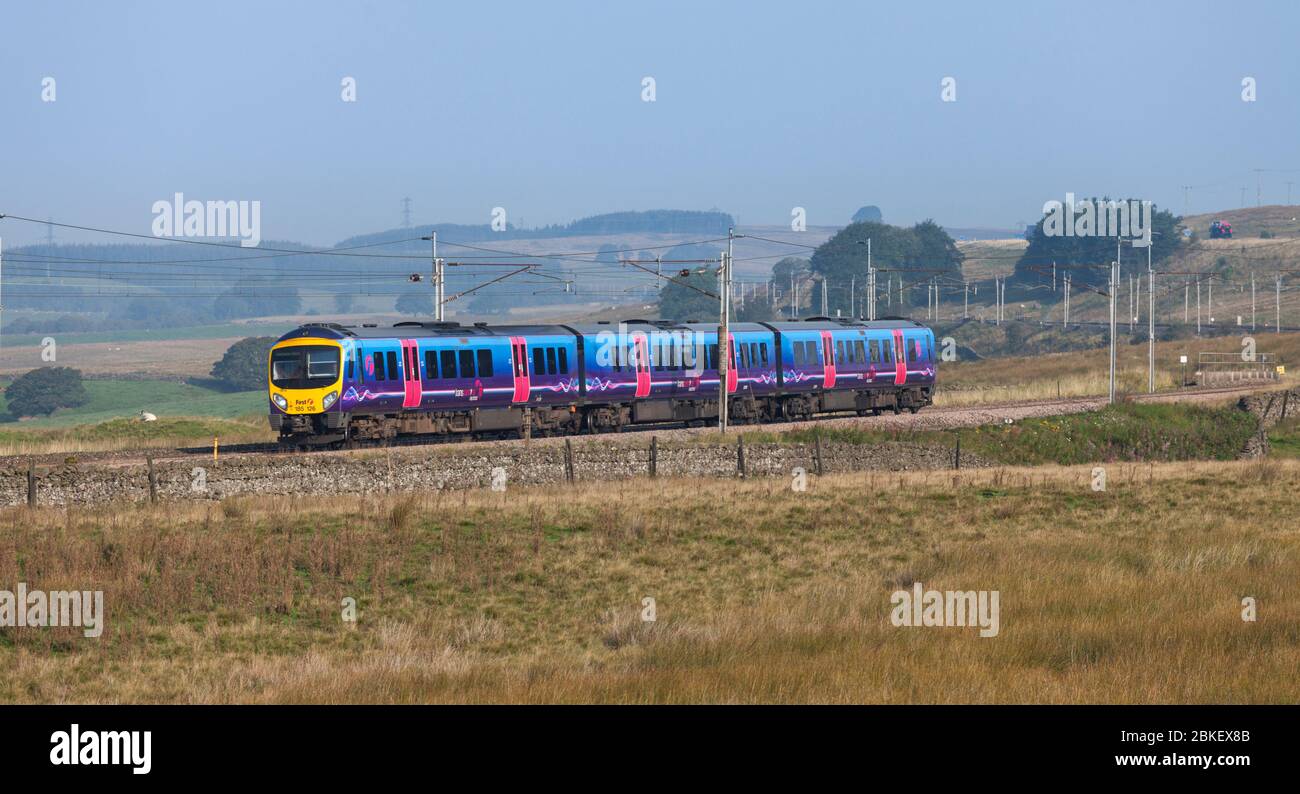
(1085, 372)
(763, 593)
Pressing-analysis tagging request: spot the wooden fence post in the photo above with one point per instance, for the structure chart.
(568, 460)
(956, 459)
(817, 452)
(31, 484)
(654, 456)
(153, 480)
(740, 456)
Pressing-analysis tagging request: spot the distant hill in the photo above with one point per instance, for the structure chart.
(708, 224)
(1280, 220)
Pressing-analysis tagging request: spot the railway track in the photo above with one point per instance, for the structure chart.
(933, 418)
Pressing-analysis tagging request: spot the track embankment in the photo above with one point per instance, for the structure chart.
(101, 478)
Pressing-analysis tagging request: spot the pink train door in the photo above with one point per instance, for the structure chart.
(411, 369)
(828, 361)
(900, 359)
(642, 362)
(733, 377)
(519, 366)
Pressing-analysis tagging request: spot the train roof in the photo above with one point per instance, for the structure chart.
(421, 330)
(412, 329)
(837, 323)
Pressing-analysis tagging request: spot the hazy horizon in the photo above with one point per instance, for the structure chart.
(539, 110)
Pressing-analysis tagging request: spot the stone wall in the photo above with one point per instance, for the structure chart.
(1270, 408)
(427, 468)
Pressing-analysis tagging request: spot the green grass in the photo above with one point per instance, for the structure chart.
(128, 434)
(1146, 432)
(112, 399)
(1284, 439)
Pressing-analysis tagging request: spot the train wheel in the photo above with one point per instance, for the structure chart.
(913, 408)
(898, 409)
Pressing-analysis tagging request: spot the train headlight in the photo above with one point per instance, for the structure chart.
(280, 402)
(329, 399)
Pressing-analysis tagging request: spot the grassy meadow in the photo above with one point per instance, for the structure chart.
(187, 414)
(763, 593)
(1131, 432)
(1085, 373)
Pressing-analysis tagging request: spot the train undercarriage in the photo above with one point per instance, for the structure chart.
(379, 429)
(341, 430)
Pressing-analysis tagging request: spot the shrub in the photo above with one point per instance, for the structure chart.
(43, 391)
(243, 366)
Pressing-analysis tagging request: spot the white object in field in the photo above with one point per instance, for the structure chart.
(145, 416)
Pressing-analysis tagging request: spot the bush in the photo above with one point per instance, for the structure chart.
(243, 367)
(43, 391)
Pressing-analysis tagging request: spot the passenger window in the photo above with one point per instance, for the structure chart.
(466, 363)
(348, 371)
(539, 361)
(839, 352)
(551, 366)
(379, 366)
(860, 353)
(763, 350)
(564, 361)
(448, 360)
(713, 356)
(430, 364)
(484, 363)
(393, 372)
(811, 352)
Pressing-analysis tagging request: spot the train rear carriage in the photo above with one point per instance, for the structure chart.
(832, 365)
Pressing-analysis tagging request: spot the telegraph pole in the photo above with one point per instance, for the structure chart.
(439, 280)
(1277, 326)
(997, 301)
(965, 299)
(1114, 286)
(724, 335)
(1252, 300)
(853, 285)
(871, 284)
(1065, 321)
(1132, 303)
(1151, 323)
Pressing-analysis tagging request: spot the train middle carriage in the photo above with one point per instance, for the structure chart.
(330, 383)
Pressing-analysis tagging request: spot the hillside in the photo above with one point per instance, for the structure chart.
(1282, 220)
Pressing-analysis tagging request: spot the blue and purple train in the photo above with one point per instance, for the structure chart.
(340, 385)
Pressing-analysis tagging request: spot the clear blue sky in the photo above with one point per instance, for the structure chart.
(536, 107)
